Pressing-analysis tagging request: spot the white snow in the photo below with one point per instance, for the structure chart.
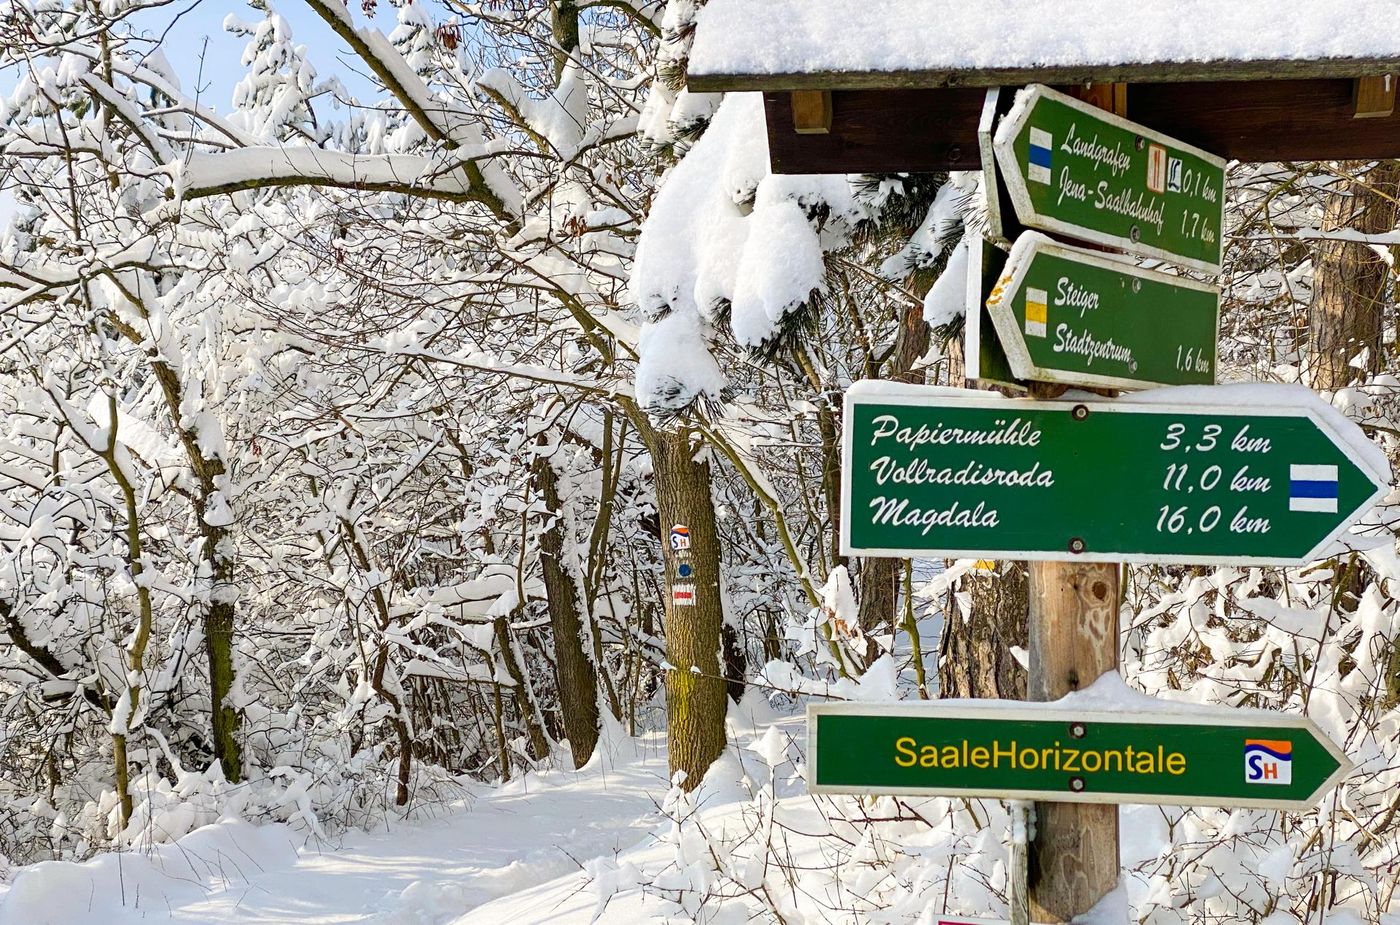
(947, 297)
(780, 269)
(724, 232)
(806, 37)
(496, 842)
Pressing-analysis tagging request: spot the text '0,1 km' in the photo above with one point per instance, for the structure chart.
(1074, 169)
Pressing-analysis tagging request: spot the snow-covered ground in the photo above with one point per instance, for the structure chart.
(612, 844)
(494, 843)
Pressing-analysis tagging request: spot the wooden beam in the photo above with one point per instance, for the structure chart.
(1374, 96)
(1146, 72)
(880, 132)
(811, 112)
(1288, 120)
(884, 131)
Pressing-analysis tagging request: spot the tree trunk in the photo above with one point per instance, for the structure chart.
(217, 551)
(879, 585)
(524, 698)
(574, 672)
(1350, 280)
(975, 657)
(879, 577)
(218, 644)
(564, 20)
(695, 687)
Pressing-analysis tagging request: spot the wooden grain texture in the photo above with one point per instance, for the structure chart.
(1073, 640)
(1374, 96)
(1108, 97)
(879, 132)
(1285, 120)
(887, 131)
(811, 111)
(1141, 72)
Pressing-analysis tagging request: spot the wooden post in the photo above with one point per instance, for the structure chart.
(1018, 877)
(1109, 97)
(1073, 640)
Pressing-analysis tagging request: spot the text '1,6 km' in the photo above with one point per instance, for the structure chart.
(1221, 757)
(1069, 316)
(933, 472)
(1074, 169)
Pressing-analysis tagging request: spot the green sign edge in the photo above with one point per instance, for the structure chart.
(1225, 716)
(1015, 184)
(1013, 341)
(943, 397)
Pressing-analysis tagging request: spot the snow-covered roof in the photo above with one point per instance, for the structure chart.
(795, 44)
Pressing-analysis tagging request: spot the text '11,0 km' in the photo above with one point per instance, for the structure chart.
(934, 472)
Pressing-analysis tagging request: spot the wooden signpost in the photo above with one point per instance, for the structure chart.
(1074, 169)
(1219, 757)
(1073, 317)
(935, 472)
(1192, 484)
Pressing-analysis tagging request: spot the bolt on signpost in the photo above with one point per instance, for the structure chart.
(938, 472)
(1074, 169)
(1073, 317)
(1205, 757)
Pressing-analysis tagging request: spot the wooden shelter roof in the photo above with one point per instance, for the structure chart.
(886, 44)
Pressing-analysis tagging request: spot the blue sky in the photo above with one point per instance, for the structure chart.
(208, 59)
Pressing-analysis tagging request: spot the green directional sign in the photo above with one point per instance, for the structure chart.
(1072, 168)
(1078, 318)
(1207, 757)
(1269, 479)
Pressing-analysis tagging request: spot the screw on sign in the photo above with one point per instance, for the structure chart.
(1074, 169)
(1276, 478)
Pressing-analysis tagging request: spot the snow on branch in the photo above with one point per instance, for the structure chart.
(441, 121)
(213, 173)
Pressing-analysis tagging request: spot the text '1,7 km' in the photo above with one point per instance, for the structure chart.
(1207, 757)
(1273, 480)
(1074, 169)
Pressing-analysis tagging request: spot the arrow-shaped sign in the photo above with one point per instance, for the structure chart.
(1070, 316)
(1075, 169)
(1207, 757)
(1270, 478)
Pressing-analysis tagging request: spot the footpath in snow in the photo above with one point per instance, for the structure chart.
(429, 872)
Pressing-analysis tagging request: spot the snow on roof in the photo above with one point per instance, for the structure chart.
(789, 44)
